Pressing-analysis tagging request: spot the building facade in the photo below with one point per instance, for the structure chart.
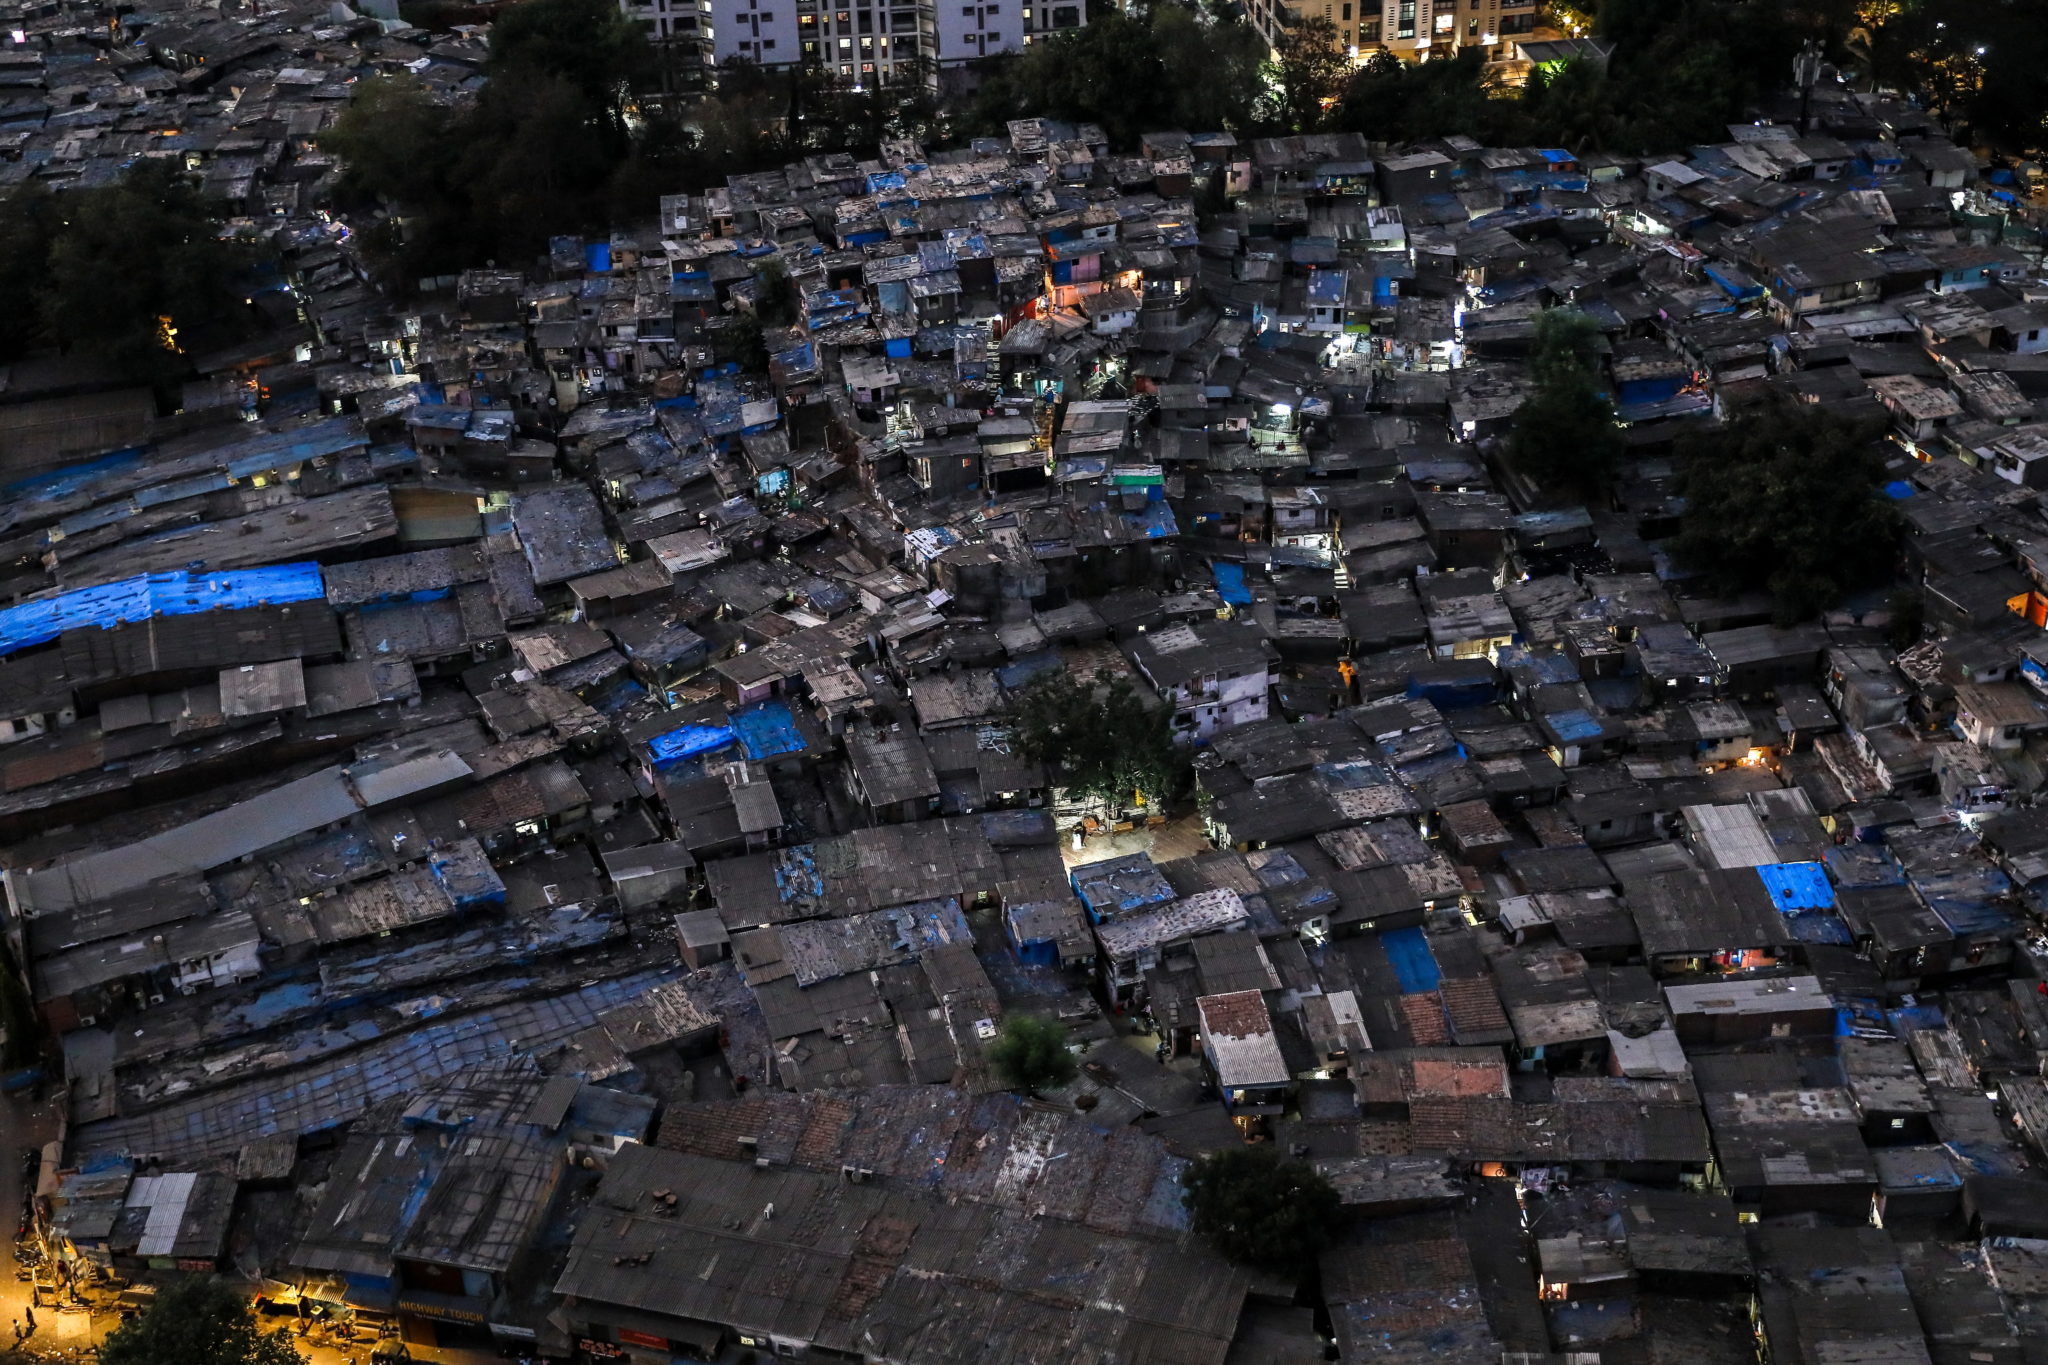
(863, 43)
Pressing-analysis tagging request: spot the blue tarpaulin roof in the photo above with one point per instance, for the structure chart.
(1414, 965)
(1811, 928)
(70, 479)
(1230, 584)
(767, 728)
(1019, 672)
(157, 594)
(689, 741)
(1898, 490)
(1572, 726)
(598, 256)
(1798, 886)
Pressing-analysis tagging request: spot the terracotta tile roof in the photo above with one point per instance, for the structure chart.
(1240, 1014)
(1425, 1016)
(1474, 1009)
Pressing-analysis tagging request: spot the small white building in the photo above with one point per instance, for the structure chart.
(1215, 674)
(1997, 716)
(1238, 1042)
(1111, 311)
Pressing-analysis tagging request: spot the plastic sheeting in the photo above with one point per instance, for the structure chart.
(1798, 886)
(689, 741)
(158, 594)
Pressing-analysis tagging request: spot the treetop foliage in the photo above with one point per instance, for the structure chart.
(1030, 1054)
(1565, 436)
(1101, 738)
(1261, 1209)
(1785, 499)
(198, 1321)
(133, 272)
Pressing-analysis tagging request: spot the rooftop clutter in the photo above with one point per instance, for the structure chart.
(526, 836)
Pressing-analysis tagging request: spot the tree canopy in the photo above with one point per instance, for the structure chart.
(1260, 1208)
(198, 1321)
(558, 140)
(1564, 435)
(1984, 64)
(586, 44)
(538, 152)
(1682, 70)
(1102, 739)
(1785, 499)
(1030, 1054)
(1309, 70)
(775, 299)
(1174, 67)
(136, 271)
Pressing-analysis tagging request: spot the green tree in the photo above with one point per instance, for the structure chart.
(1390, 100)
(1030, 1054)
(24, 1028)
(1564, 435)
(1261, 1209)
(737, 340)
(1785, 499)
(402, 151)
(775, 298)
(1681, 70)
(1907, 608)
(395, 142)
(137, 272)
(668, 155)
(1213, 70)
(1573, 107)
(198, 1321)
(1131, 74)
(28, 228)
(743, 124)
(587, 43)
(1308, 72)
(547, 147)
(538, 160)
(1102, 739)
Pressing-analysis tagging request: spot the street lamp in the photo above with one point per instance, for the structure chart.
(1806, 74)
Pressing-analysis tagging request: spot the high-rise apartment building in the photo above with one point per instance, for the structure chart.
(1416, 30)
(864, 42)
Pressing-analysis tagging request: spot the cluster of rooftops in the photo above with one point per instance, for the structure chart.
(514, 825)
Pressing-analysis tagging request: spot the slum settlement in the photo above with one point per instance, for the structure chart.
(515, 828)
